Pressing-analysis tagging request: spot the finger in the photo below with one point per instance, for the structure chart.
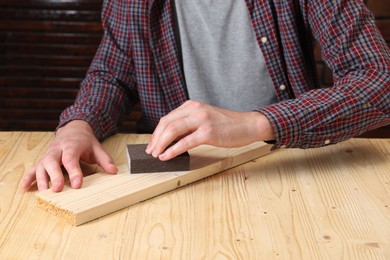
(28, 179)
(104, 160)
(178, 128)
(186, 143)
(42, 177)
(52, 166)
(71, 162)
(175, 115)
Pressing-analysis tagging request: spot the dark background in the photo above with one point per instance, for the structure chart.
(46, 47)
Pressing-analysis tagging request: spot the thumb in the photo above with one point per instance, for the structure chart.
(103, 159)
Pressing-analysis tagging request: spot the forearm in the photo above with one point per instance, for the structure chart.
(108, 92)
(100, 103)
(359, 100)
(357, 103)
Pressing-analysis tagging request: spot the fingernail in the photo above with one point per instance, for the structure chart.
(55, 185)
(75, 183)
(147, 149)
(55, 188)
(114, 167)
(162, 156)
(23, 184)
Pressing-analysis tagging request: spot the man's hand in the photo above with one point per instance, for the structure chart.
(72, 143)
(195, 123)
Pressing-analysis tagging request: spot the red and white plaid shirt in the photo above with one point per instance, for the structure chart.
(138, 59)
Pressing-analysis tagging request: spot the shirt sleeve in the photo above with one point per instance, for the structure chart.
(360, 98)
(107, 93)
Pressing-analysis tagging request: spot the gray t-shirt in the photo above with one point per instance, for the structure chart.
(222, 61)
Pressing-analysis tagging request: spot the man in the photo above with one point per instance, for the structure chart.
(246, 67)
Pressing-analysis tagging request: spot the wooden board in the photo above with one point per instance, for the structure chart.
(103, 194)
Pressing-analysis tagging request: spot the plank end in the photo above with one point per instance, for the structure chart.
(67, 215)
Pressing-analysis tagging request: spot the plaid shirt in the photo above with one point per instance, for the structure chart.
(138, 59)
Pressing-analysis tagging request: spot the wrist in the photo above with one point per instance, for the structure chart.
(76, 124)
(263, 127)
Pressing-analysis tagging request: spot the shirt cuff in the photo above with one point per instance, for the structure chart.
(102, 126)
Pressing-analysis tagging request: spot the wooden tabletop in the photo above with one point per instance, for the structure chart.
(326, 203)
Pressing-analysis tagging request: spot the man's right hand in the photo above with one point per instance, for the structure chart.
(73, 142)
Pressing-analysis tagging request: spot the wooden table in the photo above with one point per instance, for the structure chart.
(326, 203)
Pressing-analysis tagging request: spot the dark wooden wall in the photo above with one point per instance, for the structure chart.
(46, 47)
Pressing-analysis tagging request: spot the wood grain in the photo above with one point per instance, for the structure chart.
(326, 203)
(103, 194)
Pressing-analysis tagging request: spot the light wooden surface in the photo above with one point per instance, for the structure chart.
(103, 194)
(327, 203)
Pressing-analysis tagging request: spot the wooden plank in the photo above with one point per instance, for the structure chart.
(69, 72)
(47, 82)
(383, 132)
(51, 26)
(36, 103)
(103, 194)
(46, 47)
(44, 4)
(50, 15)
(380, 8)
(50, 49)
(20, 92)
(16, 59)
(384, 27)
(42, 37)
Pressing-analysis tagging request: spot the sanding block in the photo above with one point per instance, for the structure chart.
(141, 162)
